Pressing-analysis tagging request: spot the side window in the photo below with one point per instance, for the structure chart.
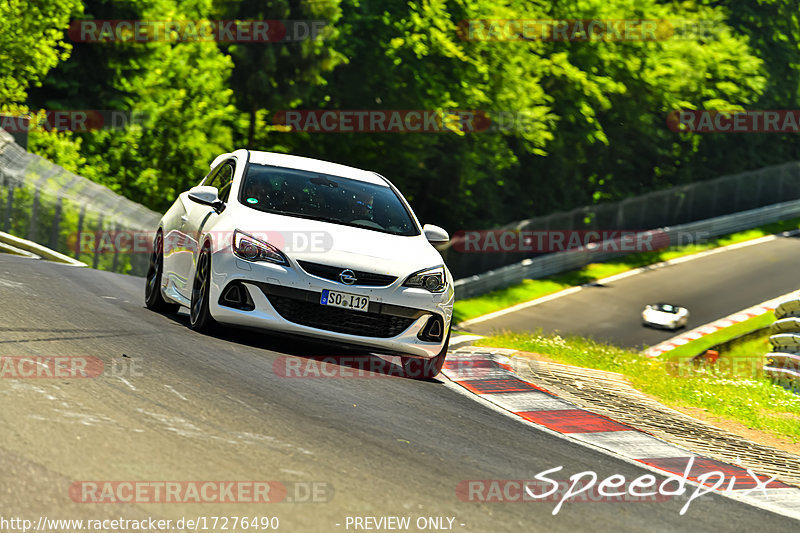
(222, 179)
(225, 181)
(210, 179)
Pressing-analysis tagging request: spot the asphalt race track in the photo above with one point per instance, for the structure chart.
(173, 404)
(711, 287)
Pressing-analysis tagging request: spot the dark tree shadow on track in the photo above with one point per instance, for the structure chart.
(316, 358)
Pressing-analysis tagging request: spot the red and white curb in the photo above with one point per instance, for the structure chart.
(491, 377)
(712, 327)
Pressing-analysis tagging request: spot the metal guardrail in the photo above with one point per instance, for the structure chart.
(46, 204)
(681, 204)
(571, 260)
(783, 362)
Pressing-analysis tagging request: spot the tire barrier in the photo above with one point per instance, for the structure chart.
(783, 362)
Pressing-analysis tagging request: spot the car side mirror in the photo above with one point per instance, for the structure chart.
(206, 195)
(435, 234)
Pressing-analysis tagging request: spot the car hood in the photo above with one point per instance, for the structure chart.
(345, 246)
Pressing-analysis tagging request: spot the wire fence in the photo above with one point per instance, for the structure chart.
(672, 236)
(668, 207)
(44, 203)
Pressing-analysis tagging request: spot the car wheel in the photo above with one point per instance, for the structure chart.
(153, 299)
(200, 318)
(414, 367)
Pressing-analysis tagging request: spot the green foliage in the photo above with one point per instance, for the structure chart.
(187, 111)
(62, 148)
(613, 99)
(31, 43)
(590, 115)
(594, 113)
(271, 76)
(178, 90)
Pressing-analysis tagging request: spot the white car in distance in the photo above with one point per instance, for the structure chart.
(664, 315)
(305, 247)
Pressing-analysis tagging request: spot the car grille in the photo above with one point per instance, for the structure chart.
(332, 273)
(319, 316)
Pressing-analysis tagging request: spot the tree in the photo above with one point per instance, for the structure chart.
(31, 43)
(273, 75)
(179, 90)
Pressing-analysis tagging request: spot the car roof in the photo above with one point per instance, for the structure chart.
(315, 165)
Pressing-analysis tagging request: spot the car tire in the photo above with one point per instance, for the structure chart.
(153, 299)
(417, 368)
(200, 318)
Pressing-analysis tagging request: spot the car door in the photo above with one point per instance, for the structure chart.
(177, 253)
(197, 219)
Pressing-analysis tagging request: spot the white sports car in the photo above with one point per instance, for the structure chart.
(305, 247)
(667, 316)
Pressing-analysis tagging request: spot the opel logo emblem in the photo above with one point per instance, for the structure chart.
(348, 277)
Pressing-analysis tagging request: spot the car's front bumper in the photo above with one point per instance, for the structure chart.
(287, 300)
(664, 325)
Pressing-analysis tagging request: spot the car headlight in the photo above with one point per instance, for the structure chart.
(249, 248)
(432, 280)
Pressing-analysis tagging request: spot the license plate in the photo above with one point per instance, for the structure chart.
(344, 300)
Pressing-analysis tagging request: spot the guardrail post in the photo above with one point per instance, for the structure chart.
(115, 263)
(56, 225)
(96, 256)
(9, 205)
(713, 209)
(81, 216)
(34, 214)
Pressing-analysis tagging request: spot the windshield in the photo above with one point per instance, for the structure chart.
(324, 197)
(666, 308)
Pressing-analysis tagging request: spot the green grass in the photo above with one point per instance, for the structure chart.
(751, 348)
(531, 289)
(736, 391)
(695, 347)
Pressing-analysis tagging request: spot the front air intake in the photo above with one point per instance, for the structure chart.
(433, 330)
(236, 295)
